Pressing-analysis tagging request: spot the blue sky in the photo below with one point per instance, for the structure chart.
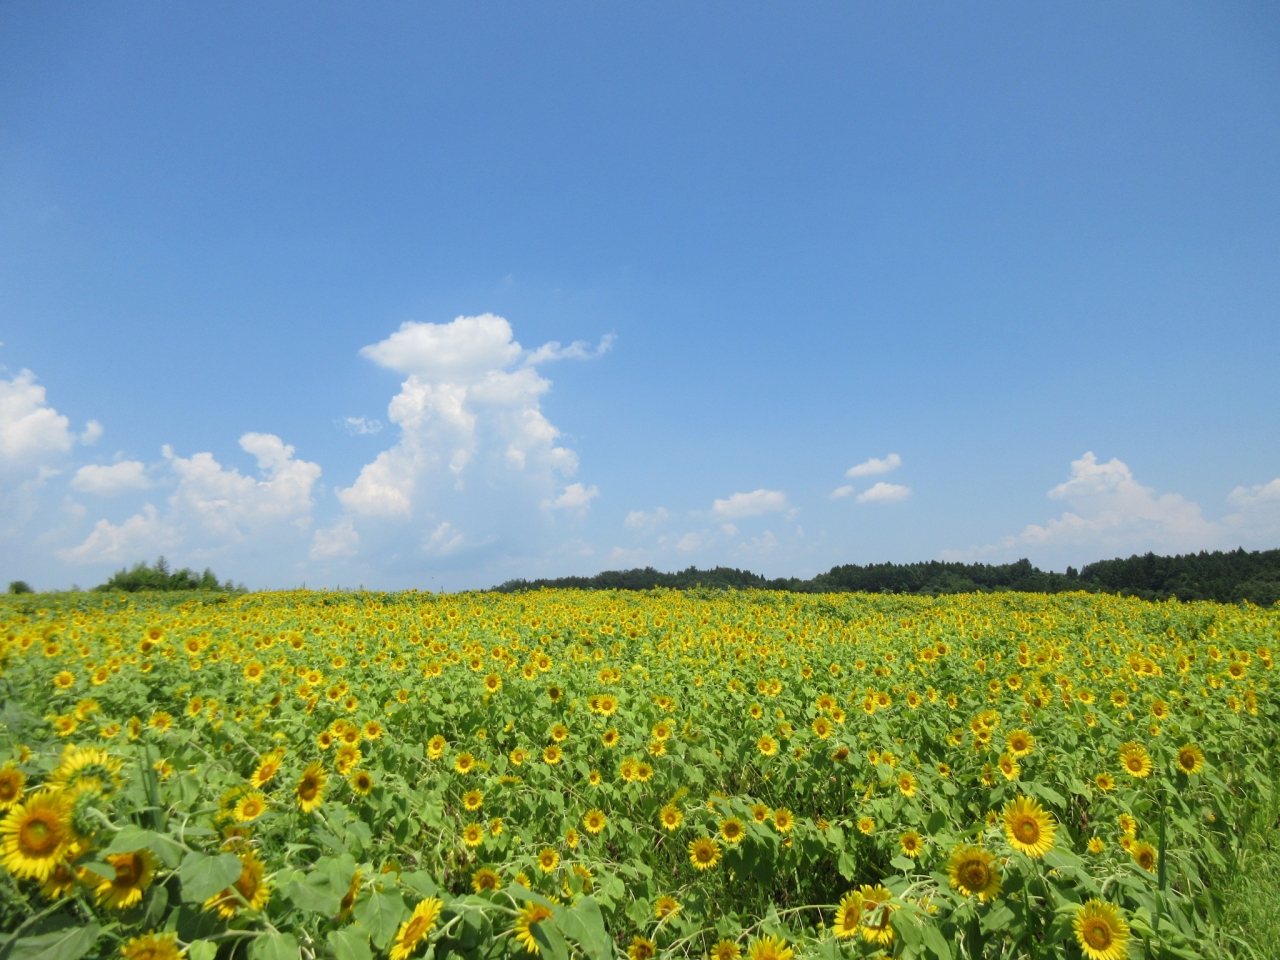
(1020, 264)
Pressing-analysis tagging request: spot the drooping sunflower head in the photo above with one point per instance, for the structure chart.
(419, 925)
(133, 874)
(876, 911)
(1144, 855)
(86, 768)
(527, 919)
(1101, 931)
(769, 948)
(1028, 826)
(12, 782)
(974, 872)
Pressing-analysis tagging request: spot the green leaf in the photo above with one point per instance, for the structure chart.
(202, 950)
(847, 864)
(129, 839)
(420, 882)
(315, 895)
(999, 918)
(936, 942)
(905, 864)
(203, 876)
(69, 944)
(351, 943)
(549, 938)
(584, 923)
(381, 915)
(274, 946)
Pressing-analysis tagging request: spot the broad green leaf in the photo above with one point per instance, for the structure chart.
(203, 876)
(274, 946)
(129, 839)
(551, 940)
(69, 944)
(381, 915)
(584, 923)
(351, 943)
(202, 950)
(315, 895)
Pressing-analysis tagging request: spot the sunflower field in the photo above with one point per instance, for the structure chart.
(557, 774)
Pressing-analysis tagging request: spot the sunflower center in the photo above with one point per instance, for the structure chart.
(974, 875)
(1028, 831)
(1097, 934)
(39, 835)
(415, 929)
(127, 872)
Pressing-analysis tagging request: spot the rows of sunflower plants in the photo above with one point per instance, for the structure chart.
(329, 776)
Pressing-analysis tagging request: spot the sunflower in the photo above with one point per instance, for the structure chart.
(485, 879)
(732, 831)
(153, 946)
(529, 915)
(86, 768)
(1105, 782)
(665, 906)
(876, 910)
(420, 923)
(760, 813)
(134, 873)
(1190, 758)
(725, 950)
(12, 782)
(1097, 845)
(973, 870)
(1028, 826)
(769, 948)
(347, 758)
(249, 889)
(464, 763)
(912, 843)
(1020, 743)
(641, 948)
(1128, 825)
(473, 835)
(1144, 855)
(670, 816)
(1135, 759)
(310, 788)
(594, 821)
(63, 879)
(783, 820)
(1009, 767)
(35, 835)
(610, 738)
(907, 784)
(1101, 932)
(361, 782)
(251, 806)
(768, 746)
(473, 800)
(848, 916)
(866, 826)
(552, 755)
(435, 747)
(704, 853)
(548, 859)
(267, 768)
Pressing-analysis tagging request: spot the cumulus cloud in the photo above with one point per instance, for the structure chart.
(752, 504)
(884, 493)
(873, 466)
(444, 540)
(336, 542)
(576, 498)
(31, 431)
(112, 480)
(839, 493)
(211, 506)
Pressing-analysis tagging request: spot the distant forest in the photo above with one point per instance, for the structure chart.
(1226, 577)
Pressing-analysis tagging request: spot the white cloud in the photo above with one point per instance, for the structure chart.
(1245, 497)
(690, 542)
(840, 493)
(361, 426)
(336, 542)
(873, 466)
(1112, 509)
(113, 480)
(212, 507)
(578, 350)
(640, 520)
(92, 433)
(751, 504)
(884, 493)
(31, 431)
(729, 529)
(443, 540)
(576, 498)
(463, 410)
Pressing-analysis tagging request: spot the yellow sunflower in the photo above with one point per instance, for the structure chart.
(704, 853)
(973, 871)
(1135, 760)
(1190, 758)
(725, 950)
(1101, 931)
(485, 879)
(876, 910)
(912, 843)
(1028, 826)
(250, 888)
(1144, 855)
(769, 948)
(473, 834)
(310, 788)
(153, 946)
(670, 816)
(529, 916)
(548, 859)
(732, 830)
(848, 919)
(134, 873)
(35, 835)
(267, 768)
(420, 923)
(12, 782)
(250, 807)
(361, 782)
(642, 948)
(783, 820)
(594, 821)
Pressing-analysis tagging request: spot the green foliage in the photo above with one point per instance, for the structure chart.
(160, 577)
(1224, 577)
(20, 586)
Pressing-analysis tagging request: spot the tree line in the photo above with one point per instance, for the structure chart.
(1227, 577)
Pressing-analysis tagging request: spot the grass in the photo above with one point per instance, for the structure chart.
(1251, 891)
